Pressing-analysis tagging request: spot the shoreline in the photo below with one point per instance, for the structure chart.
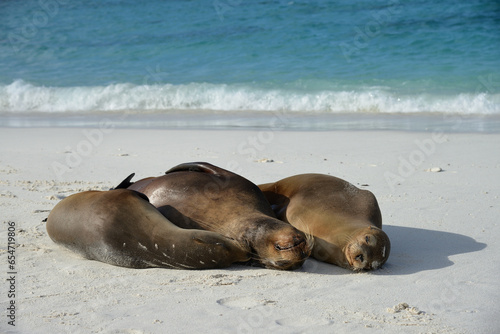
(247, 120)
(442, 225)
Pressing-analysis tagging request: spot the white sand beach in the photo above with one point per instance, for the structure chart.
(442, 275)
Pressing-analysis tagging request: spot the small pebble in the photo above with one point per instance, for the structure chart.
(434, 169)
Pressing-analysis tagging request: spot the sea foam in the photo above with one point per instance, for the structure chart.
(23, 97)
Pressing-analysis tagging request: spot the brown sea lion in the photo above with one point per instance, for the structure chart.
(122, 228)
(204, 196)
(345, 221)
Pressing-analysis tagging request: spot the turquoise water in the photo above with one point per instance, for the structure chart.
(237, 55)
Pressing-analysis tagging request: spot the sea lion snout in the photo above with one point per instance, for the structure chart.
(369, 250)
(294, 242)
(287, 248)
(360, 258)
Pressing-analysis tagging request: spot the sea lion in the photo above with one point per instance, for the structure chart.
(122, 228)
(199, 195)
(345, 221)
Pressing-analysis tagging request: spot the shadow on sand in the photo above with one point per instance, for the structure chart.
(416, 249)
(412, 250)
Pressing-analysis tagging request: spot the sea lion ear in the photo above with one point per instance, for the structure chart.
(201, 167)
(125, 183)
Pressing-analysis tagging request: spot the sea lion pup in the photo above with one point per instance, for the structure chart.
(203, 196)
(122, 228)
(345, 221)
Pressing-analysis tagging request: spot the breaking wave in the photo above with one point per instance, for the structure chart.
(21, 96)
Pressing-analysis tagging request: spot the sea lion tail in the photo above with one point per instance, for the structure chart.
(125, 183)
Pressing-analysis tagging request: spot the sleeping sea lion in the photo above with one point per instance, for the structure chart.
(345, 221)
(122, 228)
(203, 196)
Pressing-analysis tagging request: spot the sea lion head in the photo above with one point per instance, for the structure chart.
(367, 249)
(279, 245)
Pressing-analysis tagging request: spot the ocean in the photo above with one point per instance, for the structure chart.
(320, 59)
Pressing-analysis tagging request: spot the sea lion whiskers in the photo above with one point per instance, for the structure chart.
(302, 226)
(359, 249)
(353, 250)
(280, 245)
(355, 258)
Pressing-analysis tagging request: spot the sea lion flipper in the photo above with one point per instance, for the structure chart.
(125, 183)
(202, 167)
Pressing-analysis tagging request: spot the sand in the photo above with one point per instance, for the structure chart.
(438, 193)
